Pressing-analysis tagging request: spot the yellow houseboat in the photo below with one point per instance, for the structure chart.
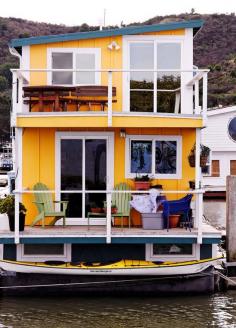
(105, 123)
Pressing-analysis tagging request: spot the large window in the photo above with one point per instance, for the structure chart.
(159, 156)
(74, 59)
(151, 90)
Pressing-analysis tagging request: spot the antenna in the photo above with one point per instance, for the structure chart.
(104, 17)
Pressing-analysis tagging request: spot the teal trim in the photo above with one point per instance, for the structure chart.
(114, 240)
(65, 240)
(7, 240)
(153, 240)
(211, 240)
(131, 30)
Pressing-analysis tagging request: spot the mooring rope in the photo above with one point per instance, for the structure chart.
(226, 278)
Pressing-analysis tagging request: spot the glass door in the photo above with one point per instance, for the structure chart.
(83, 171)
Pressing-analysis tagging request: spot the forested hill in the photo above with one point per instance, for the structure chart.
(214, 47)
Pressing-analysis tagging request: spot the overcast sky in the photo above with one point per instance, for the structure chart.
(76, 12)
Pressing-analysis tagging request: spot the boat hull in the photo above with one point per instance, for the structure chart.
(59, 285)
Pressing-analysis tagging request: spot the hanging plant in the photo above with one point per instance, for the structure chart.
(204, 154)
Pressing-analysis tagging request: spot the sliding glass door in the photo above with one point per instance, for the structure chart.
(83, 171)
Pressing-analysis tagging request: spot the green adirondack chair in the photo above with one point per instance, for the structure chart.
(122, 202)
(46, 206)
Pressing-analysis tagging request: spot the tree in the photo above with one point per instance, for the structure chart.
(3, 83)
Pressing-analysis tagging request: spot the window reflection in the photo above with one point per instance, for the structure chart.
(165, 157)
(141, 156)
(141, 83)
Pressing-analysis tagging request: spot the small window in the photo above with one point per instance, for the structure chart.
(233, 167)
(232, 129)
(172, 252)
(74, 59)
(215, 168)
(172, 249)
(44, 252)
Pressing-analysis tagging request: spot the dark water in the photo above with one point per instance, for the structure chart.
(202, 311)
(217, 310)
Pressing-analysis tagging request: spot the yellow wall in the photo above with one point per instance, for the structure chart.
(39, 159)
(109, 59)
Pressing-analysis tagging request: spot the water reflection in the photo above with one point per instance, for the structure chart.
(191, 312)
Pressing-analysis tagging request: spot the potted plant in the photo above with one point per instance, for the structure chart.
(191, 184)
(204, 154)
(114, 209)
(95, 208)
(142, 182)
(7, 205)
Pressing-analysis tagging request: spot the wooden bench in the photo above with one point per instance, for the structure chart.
(99, 93)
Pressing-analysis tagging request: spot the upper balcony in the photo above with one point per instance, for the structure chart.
(109, 97)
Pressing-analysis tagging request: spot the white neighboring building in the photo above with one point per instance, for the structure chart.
(220, 137)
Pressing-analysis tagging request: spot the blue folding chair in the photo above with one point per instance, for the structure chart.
(180, 206)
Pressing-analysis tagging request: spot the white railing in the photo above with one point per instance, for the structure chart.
(184, 104)
(198, 193)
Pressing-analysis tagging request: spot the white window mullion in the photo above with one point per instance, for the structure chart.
(83, 178)
(153, 158)
(74, 67)
(155, 79)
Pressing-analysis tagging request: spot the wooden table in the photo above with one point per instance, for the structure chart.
(47, 94)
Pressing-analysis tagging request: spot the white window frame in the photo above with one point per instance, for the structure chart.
(21, 256)
(153, 138)
(75, 51)
(149, 256)
(127, 40)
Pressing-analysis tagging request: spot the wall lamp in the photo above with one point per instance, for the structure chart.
(122, 133)
(113, 45)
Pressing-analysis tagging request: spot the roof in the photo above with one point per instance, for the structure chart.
(194, 24)
(221, 111)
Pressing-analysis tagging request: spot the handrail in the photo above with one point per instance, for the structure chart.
(107, 70)
(195, 191)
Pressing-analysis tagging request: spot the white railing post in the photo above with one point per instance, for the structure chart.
(14, 99)
(204, 99)
(108, 218)
(20, 93)
(198, 198)
(197, 108)
(109, 107)
(17, 217)
(18, 180)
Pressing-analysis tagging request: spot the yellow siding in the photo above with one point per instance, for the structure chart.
(91, 121)
(174, 32)
(39, 159)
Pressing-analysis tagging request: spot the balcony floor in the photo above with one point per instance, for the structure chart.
(98, 231)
